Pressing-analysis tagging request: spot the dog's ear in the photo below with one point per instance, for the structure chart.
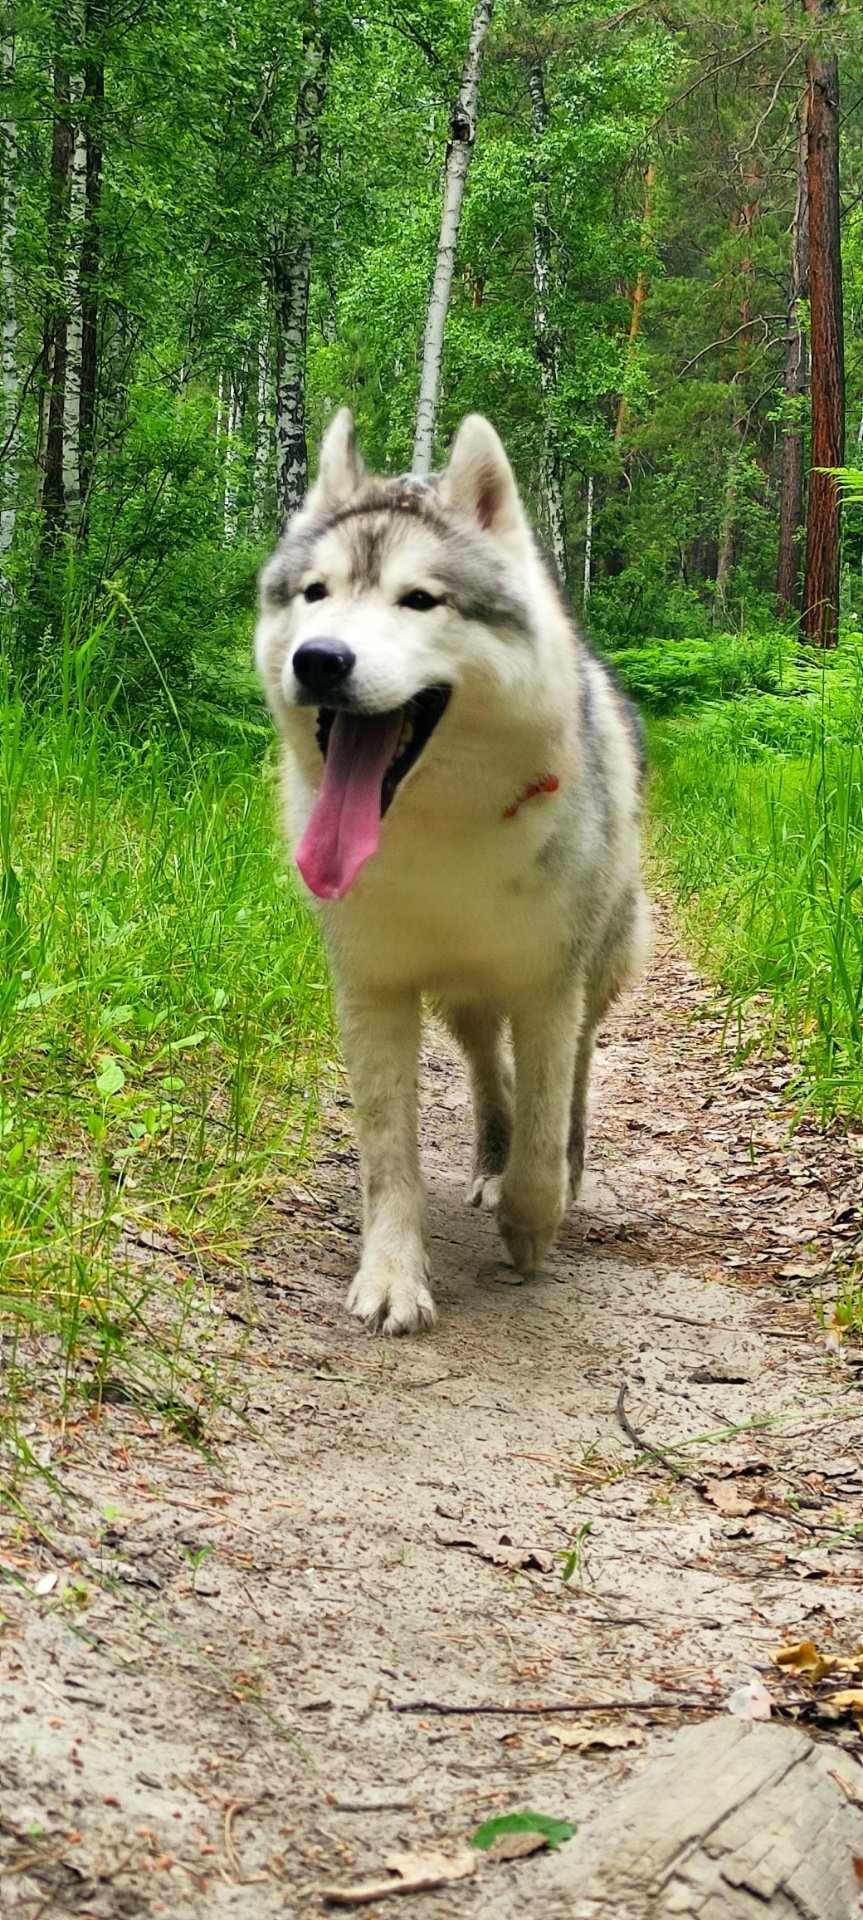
(340, 467)
(479, 481)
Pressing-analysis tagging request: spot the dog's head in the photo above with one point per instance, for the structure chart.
(384, 599)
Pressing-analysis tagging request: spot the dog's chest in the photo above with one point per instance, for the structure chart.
(483, 918)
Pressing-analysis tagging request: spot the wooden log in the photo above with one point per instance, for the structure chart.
(734, 1821)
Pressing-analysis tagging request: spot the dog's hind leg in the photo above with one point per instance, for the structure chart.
(479, 1032)
(578, 1107)
(381, 1042)
(535, 1186)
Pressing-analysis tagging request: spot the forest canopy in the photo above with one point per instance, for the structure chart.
(219, 223)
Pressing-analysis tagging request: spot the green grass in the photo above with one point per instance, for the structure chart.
(758, 829)
(164, 1022)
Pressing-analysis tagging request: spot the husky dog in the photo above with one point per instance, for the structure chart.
(463, 794)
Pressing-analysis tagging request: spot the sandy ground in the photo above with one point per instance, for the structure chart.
(341, 1629)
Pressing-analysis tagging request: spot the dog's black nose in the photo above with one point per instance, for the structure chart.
(322, 666)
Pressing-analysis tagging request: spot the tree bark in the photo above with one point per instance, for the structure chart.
(546, 336)
(233, 461)
(463, 123)
(791, 495)
(74, 317)
(744, 219)
(291, 275)
(8, 236)
(588, 544)
(54, 339)
(638, 301)
(262, 433)
(819, 619)
(94, 97)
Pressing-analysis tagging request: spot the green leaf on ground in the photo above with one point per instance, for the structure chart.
(554, 1832)
(112, 1078)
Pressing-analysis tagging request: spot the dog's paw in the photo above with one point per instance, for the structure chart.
(528, 1225)
(527, 1251)
(485, 1192)
(391, 1302)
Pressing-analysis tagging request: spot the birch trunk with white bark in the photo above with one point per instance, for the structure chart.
(463, 123)
(546, 337)
(233, 461)
(262, 435)
(54, 346)
(11, 437)
(588, 543)
(74, 319)
(291, 277)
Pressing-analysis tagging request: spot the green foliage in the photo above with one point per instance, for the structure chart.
(664, 674)
(759, 810)
(554, 1832)
(164, 1019)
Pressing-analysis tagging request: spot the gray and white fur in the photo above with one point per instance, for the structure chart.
(506, 887)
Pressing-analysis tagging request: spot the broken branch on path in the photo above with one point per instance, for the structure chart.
(707, 1704)
(641, 1445)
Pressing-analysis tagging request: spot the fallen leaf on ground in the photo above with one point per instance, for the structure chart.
(497, 1547)
(848, 1697)
(751, 1702)
(727, 1497)
(595, 1736)
(414, 1873)
(803, 1658)
(45, 1584)
(552, 1832)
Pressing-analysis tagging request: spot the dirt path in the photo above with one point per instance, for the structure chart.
(245, 1717)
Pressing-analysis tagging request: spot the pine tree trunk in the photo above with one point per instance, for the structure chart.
(8, 236)
(820, 614)
(54, 340)
(546, 338)
(791, 496)
(638, 302)
(463, 122)
(292, 266)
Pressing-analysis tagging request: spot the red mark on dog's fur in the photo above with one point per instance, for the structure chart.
(549, 784)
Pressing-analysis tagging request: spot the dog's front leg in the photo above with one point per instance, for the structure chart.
(535, 1186)
(381, 1042)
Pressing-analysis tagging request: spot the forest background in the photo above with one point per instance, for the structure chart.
(219, 224)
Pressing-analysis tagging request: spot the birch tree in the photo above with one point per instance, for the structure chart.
(547, 336)
(263, 433)
(96, 17)
(55, 324)
(794, 387)
(233, 460)
(10, 427)
(463, 124)
(74, 314)
(291, 275)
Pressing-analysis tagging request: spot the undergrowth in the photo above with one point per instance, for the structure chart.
(164, 1018)
(757, 802)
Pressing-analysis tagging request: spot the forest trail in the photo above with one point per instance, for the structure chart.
(379, 1527)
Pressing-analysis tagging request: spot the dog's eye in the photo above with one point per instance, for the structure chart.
(316, 591)
(419, 601)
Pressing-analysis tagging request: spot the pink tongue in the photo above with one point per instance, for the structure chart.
(345, 826)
